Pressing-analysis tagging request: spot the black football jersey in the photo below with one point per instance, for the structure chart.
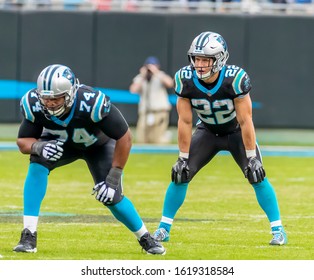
(214, 103)
(87, 123)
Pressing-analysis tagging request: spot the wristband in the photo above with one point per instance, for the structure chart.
(37, 147)
(115, 172)
(250, 153)
(184, 155)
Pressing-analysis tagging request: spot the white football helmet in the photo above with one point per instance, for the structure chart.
(209, 44)
(57, 81)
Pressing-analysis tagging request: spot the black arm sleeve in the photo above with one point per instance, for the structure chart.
(113, 125)
(29, 130)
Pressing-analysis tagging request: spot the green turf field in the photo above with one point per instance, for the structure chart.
(220, 219)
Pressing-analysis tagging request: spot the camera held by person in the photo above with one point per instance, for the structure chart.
(151, 83)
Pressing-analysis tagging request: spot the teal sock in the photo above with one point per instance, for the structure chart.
(267, 199)
(35, 187)
(167, 227)
(125, 212)
(174, 198)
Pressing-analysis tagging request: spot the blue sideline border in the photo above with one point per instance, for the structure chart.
(11, 89)
(173, 149)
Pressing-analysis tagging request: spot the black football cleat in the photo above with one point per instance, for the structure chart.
(27, 242)
(151, 246)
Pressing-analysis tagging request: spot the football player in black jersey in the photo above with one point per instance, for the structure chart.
(65, 121)
(220, 95)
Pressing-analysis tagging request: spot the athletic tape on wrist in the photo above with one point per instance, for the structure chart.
(183, 155)
(250, 153)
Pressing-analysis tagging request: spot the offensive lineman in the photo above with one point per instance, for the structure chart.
(219, 94)
(65, 121)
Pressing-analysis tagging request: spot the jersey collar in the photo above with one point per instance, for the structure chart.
(67, 120)
(215, 88)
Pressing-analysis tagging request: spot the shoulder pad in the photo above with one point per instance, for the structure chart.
(241, 82)
(101, 107)
(92, 102)
(29, 105)
(185, 73)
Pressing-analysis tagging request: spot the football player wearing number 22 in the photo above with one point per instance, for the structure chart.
(64, 121)
(220, 95)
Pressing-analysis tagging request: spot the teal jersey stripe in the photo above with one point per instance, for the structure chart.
(96, 114)
(220, 80)
(237, 82)
(66, 122)
(178, 82)
(215, 88)
(28, 112)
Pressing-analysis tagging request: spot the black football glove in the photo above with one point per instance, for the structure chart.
(50, 150)
(180, 172)
(254, 172)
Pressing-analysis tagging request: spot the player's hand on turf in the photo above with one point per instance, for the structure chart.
(180, 172)
(254, 172)
(50, 150)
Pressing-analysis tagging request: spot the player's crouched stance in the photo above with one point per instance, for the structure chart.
(220, 95)
(65, 121)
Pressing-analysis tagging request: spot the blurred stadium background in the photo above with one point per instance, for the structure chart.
(106, 45)
(207, 6)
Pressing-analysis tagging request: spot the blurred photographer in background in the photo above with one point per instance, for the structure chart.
(152, 85)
